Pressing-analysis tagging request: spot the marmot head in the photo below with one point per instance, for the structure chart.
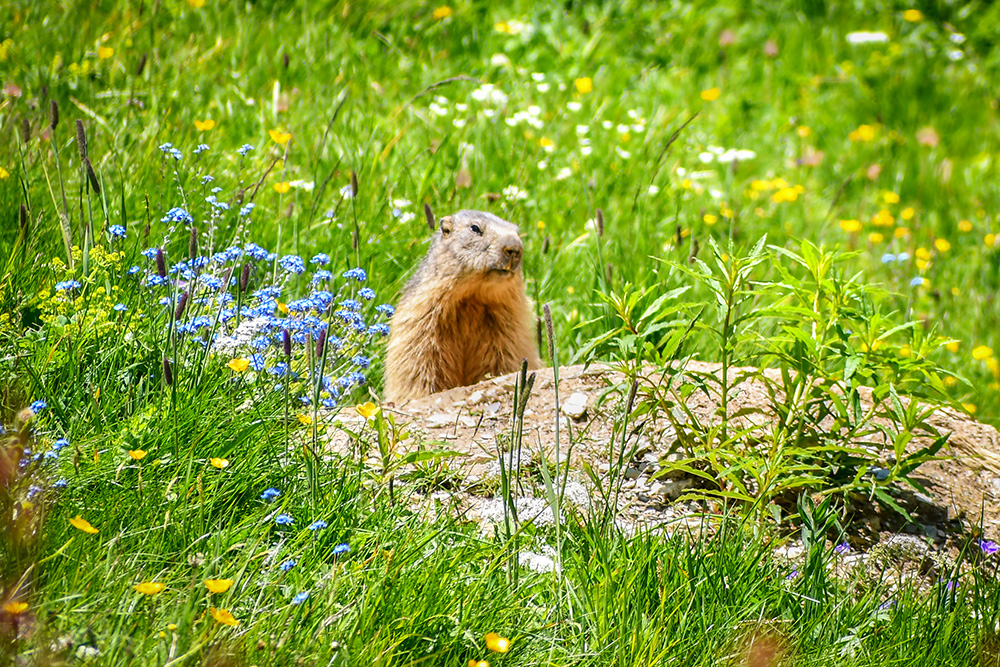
(482, 244)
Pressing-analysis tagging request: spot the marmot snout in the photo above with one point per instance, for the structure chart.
(464, 314)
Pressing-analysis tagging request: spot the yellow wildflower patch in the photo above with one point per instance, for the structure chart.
(913, 15)
(584, 85)
(279, 137)
(82, 524)
(282, 187)
(223, 616)
(105, 52)
(204, 125)
(982, 352)
(863, 133)
(137, 454)
(942, 245)
(851, 226)
(15, 608)
(711, 94)
(219, 463)
(964, 226)
(218, 585)
(239, 364)
(883, 219)
(149, 587)
(367, 410)
(495, 642)
(442, 12)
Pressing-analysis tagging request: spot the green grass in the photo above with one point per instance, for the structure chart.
(376, 90)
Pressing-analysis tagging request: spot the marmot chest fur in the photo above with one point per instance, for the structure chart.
(464, 314)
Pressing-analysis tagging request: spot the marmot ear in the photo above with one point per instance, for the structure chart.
(446, 225)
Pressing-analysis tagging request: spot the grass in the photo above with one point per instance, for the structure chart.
(879, 150)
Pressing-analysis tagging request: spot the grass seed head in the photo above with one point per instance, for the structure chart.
(81, 139)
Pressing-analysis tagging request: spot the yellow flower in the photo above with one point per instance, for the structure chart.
(990, 240)
(883, 219)
(710, 94)
(982, 352)
(964, 226)
(584, 85)
(545, 142)
(197, 4)
(786, 194)
(279, 137)
(942, 245)
(907, 213)
(570, 290)
(913, 15)
(950, 381)
(541, 224)
(875, 237)
(970, 408)
(15, 608)
(239, 364)
(105, 52)
(218, 585)
(4, 174)
(495, 642)
(922, 253)
(479, 663)
(863, 133)
(219, 463)
(442, 12)
(851, 226)
(803, 131)
(82, 524)
(149, 587)
(305, 419)
(282, 187)
(953, 346)
(905, 351)
(955, 291)
(367, 410)
(204, 125)
(137, 454)
(223, 616)
(710, 219)
(901, 232)
(890, 197)
(686, 184)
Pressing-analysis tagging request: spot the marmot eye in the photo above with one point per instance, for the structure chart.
(476, 229)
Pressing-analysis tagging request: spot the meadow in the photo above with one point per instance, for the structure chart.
(207, 212)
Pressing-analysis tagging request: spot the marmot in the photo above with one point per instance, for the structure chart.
(464, 314)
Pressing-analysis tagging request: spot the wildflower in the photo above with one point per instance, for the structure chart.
(360, 361)
(842, 548)
(204, 125)
(288, 565)
(913, 15)
(888, 258)
(270, 494)
(105, 52)
(883, 219)
(367, 410)
(222, 616)
(982, 352)
(218, 585)
(149, 587)
(379, 329)
(177, 214)
(711, 94)
(82, 524)
(890, 197)
(357, 274)
(584, 85)
(116, 231)
(442, 12)
(283, 520)
(300, 597)
(876, 237)
(200, 148)
(239, 364)
(479, 663)
(366, 293)
(710, 219)
(293, 264)
(319, 524)
(305, 419)
(803, 131)
(863, 133)
(342, 548)
(15, 608)
(282, 188)
(917, 281)
(862, 37)
(942, 245)
(67, 285)
(137, 454)
(219, 463)
(495, 642)
(850, 226)
(244, 149)
(38, 406)
(794, 574)
(988, 547)
(279, 137)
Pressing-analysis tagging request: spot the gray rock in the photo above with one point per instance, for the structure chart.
(575, 406)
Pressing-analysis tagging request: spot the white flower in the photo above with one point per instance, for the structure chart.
(489, 113)
(511, 120)
(548, 148)
(574, 106)
(586, 150)
(514, 193)
(461, 106)
(637, 128)
(681, 171)
(716, 194)
(735, 155)
(489, 94)
(606, 124)
(652, 190)
(582, 130)
(632, 113)
(401, 203)
(537, 562)
(458, 122)
(499, 60)
(590, 225)
(543, 87)
(867, 37)
(466, 149)
(564, 173)
(535, 110)
(706, 157)
(303, 185)
(542, 165)
(438, 109)
(622, 129)
(623, 153)
(538, 76)
(957, 38)
(955, 55)
(346, 191)
(406, 217)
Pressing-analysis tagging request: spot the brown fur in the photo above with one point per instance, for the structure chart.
(464, 314)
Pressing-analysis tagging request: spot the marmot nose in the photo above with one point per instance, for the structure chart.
(513, 253)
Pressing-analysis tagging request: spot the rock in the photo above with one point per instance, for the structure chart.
(575, 406)
(440, 420)
(474, 397)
